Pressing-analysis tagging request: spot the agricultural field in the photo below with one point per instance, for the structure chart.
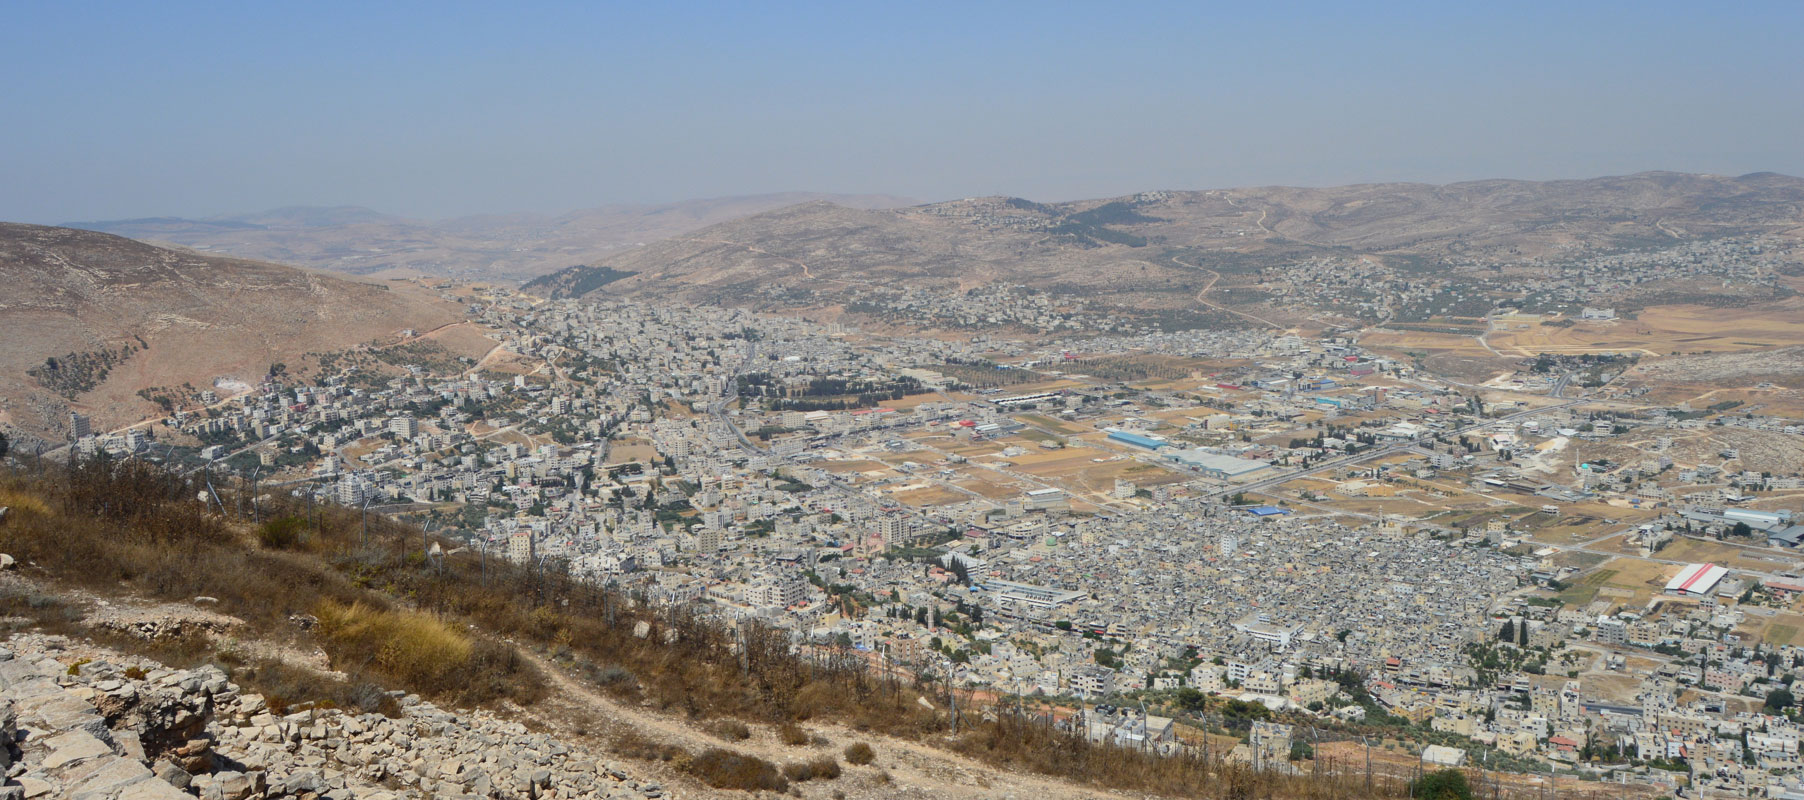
(1055, 425)
(1629, 581)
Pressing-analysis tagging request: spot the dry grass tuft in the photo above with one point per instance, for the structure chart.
(22, 503)
(414, 648)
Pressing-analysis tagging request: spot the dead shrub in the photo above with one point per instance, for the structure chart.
(860, 754)
(632, 744)
(725, 769)
(731, 730)
(824, 768)
(792, 734)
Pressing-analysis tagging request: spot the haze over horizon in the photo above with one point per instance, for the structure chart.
(433, 111)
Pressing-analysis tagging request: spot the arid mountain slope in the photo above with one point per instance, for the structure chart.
(497, 246)
(823, 246)
(1123, 244)
(1486, 217)
(92, 318)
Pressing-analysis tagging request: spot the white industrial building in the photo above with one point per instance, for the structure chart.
(1696, 580)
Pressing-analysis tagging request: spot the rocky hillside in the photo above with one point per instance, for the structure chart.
(1122, 244)
(82, 721)
(92, 318)
(494, 246)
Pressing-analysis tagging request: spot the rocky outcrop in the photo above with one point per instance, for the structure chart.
(104, 729)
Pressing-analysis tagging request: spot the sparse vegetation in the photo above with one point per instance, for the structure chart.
(74, 374)
(113, 526)
(575, 281)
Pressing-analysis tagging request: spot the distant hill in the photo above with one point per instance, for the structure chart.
(827, 247)
(509, 247)
(1122, 246)
(91, 318)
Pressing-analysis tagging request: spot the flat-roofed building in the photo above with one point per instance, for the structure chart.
(1217, 465)
(1027, 595)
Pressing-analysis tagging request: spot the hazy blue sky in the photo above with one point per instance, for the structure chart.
(439, 109)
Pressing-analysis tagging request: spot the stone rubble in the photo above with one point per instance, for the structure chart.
(122, 728)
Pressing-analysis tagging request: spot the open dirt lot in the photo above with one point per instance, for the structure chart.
(1729, 555)
(1659, 331)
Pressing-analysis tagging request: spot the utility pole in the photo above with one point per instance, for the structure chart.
(214, 493)
(256, 510)
(1368, 744)
(1315, 753)
(1146, 730)
(951, 695)
(366, 521)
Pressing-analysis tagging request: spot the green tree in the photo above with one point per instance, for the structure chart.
(1192, 700)
(1447, 784)
(1779, 699)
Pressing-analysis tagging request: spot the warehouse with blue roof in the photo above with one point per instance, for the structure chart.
(1135, 439)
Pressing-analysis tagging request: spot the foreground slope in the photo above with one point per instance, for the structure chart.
(304, 644)
(93, 318)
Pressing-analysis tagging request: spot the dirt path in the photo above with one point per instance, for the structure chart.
(914, 770)
(1203, 293)
(1259, 222)
(806, 272)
